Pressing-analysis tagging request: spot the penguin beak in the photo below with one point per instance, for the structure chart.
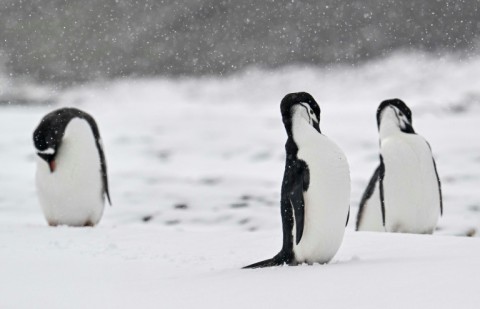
(53, 165)
(49, 159)
(316, 125)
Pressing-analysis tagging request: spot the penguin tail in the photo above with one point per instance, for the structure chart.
(275, 261)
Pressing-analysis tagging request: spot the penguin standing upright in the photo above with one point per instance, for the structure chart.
(71, 175)
(404, 193)
(315, 190)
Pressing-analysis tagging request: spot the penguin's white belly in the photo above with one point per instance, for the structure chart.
(412, 200)
(326, 201)
(73, 193)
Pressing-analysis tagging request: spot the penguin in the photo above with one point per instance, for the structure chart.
(71, 175)
(315, 190)
(404, 194)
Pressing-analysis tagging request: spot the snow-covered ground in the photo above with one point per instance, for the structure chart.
(141, 266)
(195, 167)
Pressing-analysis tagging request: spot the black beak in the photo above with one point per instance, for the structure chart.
(408, 128)
(316, 125)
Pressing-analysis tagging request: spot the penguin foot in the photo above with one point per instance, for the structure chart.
(52, 223)
(89, 224)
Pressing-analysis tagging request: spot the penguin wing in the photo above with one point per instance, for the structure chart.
(439, 187)
(104, 174)
(368, 194)
(348, 216)
(381, 176)
(101, 153)
(300, 185)
(438, 180)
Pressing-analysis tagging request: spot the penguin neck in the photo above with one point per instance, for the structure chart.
(388, 128)
(302, 131)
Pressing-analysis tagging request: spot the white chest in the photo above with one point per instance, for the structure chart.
(412, 201)
(327, 198)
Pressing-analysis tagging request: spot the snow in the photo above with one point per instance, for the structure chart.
(195, 167)
(140, 266)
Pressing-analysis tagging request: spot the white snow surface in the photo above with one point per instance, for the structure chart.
(195, 168)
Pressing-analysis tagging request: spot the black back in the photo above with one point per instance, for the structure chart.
(50, 132)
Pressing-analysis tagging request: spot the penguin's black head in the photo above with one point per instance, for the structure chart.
(303, 100)
(47, 137)
(398, 112)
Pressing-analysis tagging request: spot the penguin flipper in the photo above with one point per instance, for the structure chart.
(296, 197)
(101, 153)
(381, 176)
(368, 194)
(104, 172)
(348, 216)
(439, 187)
(438, 180)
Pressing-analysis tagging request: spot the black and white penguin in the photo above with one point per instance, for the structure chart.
(71, 173)
(315, 190)
(404, 193)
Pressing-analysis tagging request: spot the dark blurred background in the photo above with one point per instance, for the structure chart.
(65, 42)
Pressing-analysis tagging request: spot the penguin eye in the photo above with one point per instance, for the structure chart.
(311, 112)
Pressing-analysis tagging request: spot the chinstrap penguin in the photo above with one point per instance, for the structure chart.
(315, 190)
(404, 193)
(71, 176)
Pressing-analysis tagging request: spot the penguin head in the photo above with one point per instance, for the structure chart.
(47, 137)
(395, 112)
(300, 104)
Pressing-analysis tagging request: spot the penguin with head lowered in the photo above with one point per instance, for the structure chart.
(404, 194)
(315, 193)
(71, 175)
